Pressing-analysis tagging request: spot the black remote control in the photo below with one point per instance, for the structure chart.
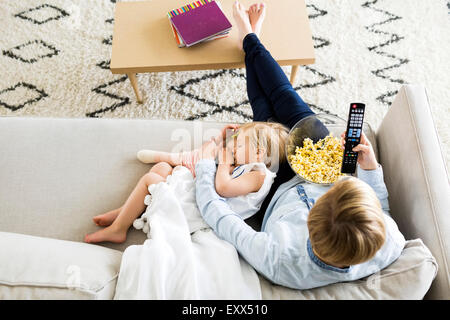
(353, 137)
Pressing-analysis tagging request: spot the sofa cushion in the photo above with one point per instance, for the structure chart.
(409, 277)
(43, 268)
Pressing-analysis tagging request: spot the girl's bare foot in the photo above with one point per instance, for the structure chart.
(256, 14)
(104, 220)
(242, 21)
(111, 234)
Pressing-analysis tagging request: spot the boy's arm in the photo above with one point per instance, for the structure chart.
(369, 170)
(257, 248)
(374, 178)
(228, 187)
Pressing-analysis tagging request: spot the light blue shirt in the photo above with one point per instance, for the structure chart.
(281, 251)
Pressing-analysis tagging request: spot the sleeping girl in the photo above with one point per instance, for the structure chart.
(246, 169)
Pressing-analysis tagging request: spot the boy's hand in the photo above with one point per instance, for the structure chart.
(366, 155)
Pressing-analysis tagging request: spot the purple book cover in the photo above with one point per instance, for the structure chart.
(201, 23)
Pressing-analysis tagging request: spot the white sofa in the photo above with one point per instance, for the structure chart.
(56, 174)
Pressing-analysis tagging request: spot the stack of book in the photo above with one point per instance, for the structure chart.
(199, 21)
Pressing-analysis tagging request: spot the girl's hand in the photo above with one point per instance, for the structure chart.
(223, 135)
(366, 155)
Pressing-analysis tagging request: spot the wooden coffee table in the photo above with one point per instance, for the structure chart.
(143, 40)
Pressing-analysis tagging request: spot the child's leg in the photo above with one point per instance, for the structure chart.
(261, 106)
(185, 158)
(107, 218)
(288, 106)
(154, 156)
(163, 169)
(260, 103)
(104, 220)
(133, 208)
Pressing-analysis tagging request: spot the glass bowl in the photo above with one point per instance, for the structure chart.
(315, 127)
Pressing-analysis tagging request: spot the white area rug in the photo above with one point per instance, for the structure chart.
(54, 59)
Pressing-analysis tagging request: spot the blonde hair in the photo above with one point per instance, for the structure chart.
(270, 136)
(346, 225)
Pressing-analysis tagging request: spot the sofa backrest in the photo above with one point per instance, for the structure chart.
(57, 173)
(417, 179)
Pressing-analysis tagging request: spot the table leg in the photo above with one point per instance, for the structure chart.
(134, 83)
(293, 74)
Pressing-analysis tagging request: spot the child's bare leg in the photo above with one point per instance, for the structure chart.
(153, 156)
(186, 158)
(242, 19)
(163, 169)
(107, 218)
(133, 208)
(257, 13)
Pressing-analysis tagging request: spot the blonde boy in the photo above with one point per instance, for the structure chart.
(311, 235)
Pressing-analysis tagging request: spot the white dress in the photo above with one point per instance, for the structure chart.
(247, 205)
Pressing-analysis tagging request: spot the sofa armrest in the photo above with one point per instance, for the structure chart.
(417, 179)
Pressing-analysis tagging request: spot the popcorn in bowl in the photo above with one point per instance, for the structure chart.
(318, 162)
